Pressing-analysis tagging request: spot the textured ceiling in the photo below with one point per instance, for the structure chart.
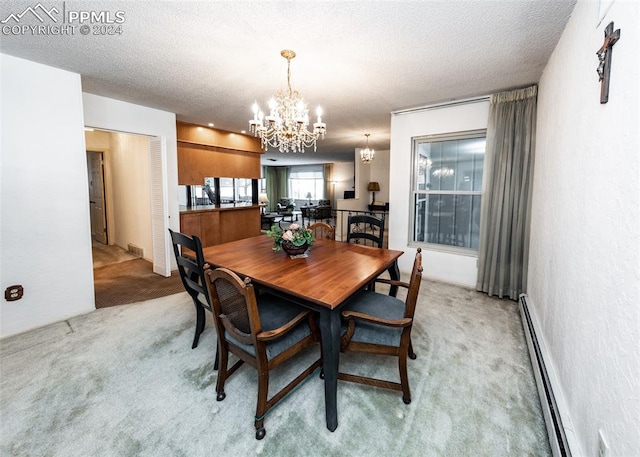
(360, 60)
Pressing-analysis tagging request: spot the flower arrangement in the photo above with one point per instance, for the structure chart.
(296, 235)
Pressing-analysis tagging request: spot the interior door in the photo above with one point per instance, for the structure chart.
(159, 206)
(97, 208)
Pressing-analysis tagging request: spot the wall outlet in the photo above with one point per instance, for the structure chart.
(603, 446)
(13, 293)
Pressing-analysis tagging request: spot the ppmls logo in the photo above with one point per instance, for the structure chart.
(34, 12)
(51, 21)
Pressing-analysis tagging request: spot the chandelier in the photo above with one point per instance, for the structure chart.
(366, 154)
(443, 172)
(286, 126)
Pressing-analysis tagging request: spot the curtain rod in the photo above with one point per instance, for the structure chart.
(443, 105)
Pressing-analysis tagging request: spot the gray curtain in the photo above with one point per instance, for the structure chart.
(503, 252)
(276, 182)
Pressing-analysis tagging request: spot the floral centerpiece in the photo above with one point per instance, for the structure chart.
(295, 240)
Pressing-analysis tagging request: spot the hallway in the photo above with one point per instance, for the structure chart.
(107, 255)
(121, 278)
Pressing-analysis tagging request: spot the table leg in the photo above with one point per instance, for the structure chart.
(330, 334)
(394, 273)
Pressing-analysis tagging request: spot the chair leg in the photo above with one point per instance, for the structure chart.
(261, 407)
(223, 354)
(412, 355)
(200, 322)
(404, 378)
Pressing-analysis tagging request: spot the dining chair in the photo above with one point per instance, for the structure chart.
(322, 231)
(191, 266)
(381, 324)
(263, 331)
(362, 228)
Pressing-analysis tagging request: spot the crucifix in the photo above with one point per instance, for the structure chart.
(604, 55)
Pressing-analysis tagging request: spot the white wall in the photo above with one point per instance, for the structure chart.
(453, 268)
(359, 174)
(362, 174)
(129, 162)
(343, 173)
(584, 267)
(127, 187)
(45, 240)
(378, 171)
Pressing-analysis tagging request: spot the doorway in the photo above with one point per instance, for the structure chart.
(97, 199)
(120, 189)
(126, 194)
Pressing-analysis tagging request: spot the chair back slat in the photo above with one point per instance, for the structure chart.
(322, 231)
(195, 286)
(357, 229)
(186, 262)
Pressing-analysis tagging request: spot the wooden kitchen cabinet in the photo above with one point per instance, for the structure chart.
(216, 226)
(207, 152)
(197, 162)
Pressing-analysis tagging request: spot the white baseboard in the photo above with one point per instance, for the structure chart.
(560, 429)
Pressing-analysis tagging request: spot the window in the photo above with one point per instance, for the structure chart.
(226, 190)
(446, 189)
(243, 188)
(236, 190)
(305, 180)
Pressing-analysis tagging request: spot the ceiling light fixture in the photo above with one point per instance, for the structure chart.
(367, 154)
(443, 172)
(286, 125)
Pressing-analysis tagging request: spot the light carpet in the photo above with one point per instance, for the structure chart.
(124, 381)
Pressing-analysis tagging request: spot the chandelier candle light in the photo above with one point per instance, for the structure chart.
(286, 125)
(366, 154)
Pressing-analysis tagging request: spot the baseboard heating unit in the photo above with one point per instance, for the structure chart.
(555, 429)
(135, 250)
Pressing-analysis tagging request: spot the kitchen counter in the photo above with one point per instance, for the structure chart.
(223, 207)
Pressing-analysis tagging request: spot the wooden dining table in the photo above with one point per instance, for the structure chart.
(323, 281)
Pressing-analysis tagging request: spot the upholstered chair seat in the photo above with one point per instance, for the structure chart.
(274, 313)
(381, 306)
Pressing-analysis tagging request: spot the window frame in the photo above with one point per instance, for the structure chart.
(414, 192)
